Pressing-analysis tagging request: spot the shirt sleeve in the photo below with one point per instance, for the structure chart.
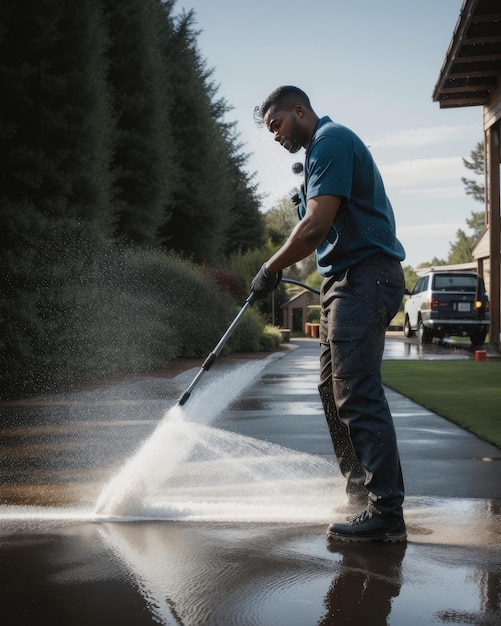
(330, 168)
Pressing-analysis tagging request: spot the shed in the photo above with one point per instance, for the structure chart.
(295, 310)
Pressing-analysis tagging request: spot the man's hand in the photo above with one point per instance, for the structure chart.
(265, 282)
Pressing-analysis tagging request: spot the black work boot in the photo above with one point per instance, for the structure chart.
(370, 526)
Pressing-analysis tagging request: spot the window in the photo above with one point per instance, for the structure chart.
(420, 286)
(455, 282)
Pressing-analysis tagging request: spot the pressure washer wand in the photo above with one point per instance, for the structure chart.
(209, 361)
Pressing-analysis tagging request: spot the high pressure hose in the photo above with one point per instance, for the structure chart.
(297, 282)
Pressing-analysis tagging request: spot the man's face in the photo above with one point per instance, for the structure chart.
(286, 128)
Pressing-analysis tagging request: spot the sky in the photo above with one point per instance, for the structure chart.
(370, 65)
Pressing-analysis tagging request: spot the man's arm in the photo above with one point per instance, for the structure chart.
(308, 233)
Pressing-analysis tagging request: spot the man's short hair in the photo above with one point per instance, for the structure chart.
(286, 95)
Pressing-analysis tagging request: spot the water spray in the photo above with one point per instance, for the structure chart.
(210, 360)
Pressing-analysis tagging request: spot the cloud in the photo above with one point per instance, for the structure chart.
(425, 231)
(422, 242)
(437, 193)
(416, 172)
(419, 137)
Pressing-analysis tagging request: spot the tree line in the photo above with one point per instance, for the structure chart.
(109, 120)
(116, 162)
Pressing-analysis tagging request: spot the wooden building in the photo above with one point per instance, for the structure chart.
(471, 76)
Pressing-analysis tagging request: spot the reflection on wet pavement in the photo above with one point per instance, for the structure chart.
(397, 347)
(257, 574)
(62, 564)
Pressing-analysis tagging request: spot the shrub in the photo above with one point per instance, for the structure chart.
(246, 336)
(98, 311)
(314, 313)
(271, 338)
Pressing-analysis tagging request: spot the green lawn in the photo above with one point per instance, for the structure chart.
(467, 393)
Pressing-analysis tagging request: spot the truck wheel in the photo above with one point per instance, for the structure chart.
(425, 335)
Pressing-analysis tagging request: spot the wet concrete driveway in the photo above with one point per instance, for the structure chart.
(62, 564)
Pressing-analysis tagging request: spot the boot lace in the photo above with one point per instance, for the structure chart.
(361, 517)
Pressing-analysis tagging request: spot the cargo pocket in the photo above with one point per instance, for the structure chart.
(348, 350)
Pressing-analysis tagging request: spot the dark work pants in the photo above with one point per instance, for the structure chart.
(357, 306)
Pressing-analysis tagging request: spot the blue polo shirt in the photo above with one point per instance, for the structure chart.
(338, 163)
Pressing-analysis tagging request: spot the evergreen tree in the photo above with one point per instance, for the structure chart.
(476, 165)
(54, 180)
(461, 250)
(55, 124)
(109, 130)
(200, 206)
(143, 158)
(246, 229)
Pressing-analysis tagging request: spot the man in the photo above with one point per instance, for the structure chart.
(347, 218)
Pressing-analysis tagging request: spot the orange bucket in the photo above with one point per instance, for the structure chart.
(480, 355)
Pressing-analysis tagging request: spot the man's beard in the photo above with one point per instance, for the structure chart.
(295, 138)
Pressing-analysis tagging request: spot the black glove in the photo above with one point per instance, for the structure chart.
(265, 282)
